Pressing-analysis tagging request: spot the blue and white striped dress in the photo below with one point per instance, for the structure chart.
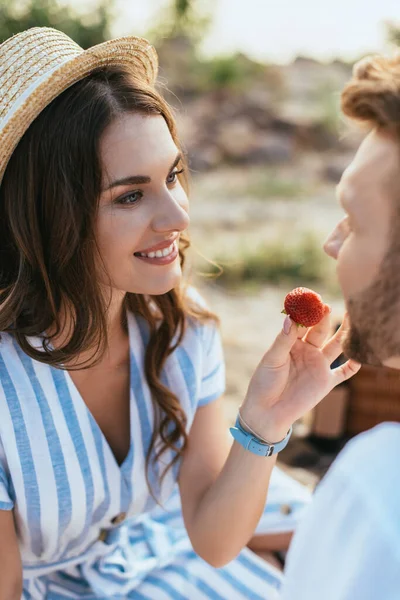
(87, 527)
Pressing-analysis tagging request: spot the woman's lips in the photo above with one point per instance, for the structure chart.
(160, 260)
(160, 246)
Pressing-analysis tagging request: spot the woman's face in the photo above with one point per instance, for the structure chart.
(143, 207)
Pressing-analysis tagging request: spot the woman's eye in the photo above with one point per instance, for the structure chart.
(131, 198)
(172, 177)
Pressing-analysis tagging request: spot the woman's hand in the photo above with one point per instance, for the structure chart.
(293, 376)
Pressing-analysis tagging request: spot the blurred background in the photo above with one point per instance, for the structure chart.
(256, 90)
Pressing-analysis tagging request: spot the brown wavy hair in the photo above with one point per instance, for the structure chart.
(48, 207)
(372, 96)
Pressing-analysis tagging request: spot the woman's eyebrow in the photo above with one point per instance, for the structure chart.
(138, 179)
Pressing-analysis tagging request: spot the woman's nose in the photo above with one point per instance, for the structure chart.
(172, 214)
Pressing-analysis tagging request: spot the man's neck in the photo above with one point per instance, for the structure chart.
(393, 362)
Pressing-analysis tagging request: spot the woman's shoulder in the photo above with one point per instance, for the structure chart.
(6, 344)
(12, 373)
(201, 323)
(17, 368)
(194, 297)
(200, 331)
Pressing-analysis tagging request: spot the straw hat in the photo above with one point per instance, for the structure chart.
(40, 63)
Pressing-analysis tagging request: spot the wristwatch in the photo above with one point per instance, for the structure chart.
(254, 445)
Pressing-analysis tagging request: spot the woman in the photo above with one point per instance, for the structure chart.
(110, 369)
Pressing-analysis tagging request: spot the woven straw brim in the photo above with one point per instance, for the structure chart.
(133, 51)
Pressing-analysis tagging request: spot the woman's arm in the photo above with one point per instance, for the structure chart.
(224, 491)
(10, 559)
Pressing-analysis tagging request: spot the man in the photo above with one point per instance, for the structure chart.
(348, 545)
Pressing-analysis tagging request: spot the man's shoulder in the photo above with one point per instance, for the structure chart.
(352, 528)
(368, 466)
(379, 446)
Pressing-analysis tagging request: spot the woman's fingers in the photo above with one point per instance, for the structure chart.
(279, 352)
(317, 335)
(345, 371)
(333, 347)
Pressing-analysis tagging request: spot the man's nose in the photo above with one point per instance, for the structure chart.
(332, 244)
(337, 237)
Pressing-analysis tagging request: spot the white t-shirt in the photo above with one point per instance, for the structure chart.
(348, 545)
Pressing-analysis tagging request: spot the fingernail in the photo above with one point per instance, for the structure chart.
(287, 325)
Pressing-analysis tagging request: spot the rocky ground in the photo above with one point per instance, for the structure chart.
(223, 222)
(266, 151)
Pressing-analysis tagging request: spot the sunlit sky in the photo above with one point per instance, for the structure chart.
(278, 30)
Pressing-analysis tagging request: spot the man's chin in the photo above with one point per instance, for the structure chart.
(357, 347)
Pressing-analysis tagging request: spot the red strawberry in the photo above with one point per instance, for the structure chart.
(304, 306)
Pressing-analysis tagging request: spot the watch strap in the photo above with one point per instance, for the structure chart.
(254, 445)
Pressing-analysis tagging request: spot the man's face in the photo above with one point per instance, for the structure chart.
(366, 245)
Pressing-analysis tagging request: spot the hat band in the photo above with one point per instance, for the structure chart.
(21, 99)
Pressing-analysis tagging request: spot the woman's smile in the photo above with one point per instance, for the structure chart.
(146, 229)
(163, 256)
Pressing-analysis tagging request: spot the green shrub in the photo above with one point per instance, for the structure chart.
(300, 263)
(269, 185)
(234, 72)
